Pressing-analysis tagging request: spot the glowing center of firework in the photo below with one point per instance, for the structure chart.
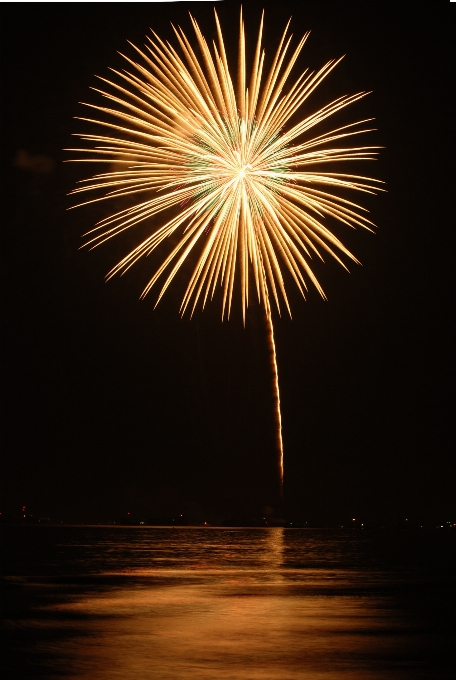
(243, 171)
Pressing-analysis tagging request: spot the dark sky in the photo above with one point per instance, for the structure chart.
(109, 405)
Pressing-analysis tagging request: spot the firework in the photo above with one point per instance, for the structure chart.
(227, 171)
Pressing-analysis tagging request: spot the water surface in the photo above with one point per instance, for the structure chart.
(143, 603)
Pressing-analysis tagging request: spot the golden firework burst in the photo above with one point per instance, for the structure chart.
(251, 187)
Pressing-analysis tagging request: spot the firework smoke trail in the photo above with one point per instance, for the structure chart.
(227, 170)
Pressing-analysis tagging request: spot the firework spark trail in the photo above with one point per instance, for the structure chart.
(275, 391)
(247, 184)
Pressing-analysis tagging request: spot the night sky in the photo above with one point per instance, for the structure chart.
(111, 406)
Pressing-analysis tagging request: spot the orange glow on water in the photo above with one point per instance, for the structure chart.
(210, 620)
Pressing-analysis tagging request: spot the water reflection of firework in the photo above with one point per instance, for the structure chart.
(246, 180)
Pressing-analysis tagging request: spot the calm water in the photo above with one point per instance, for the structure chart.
(259, 604)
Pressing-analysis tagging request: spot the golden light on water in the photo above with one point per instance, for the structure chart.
(250, 186)
(212, 603)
